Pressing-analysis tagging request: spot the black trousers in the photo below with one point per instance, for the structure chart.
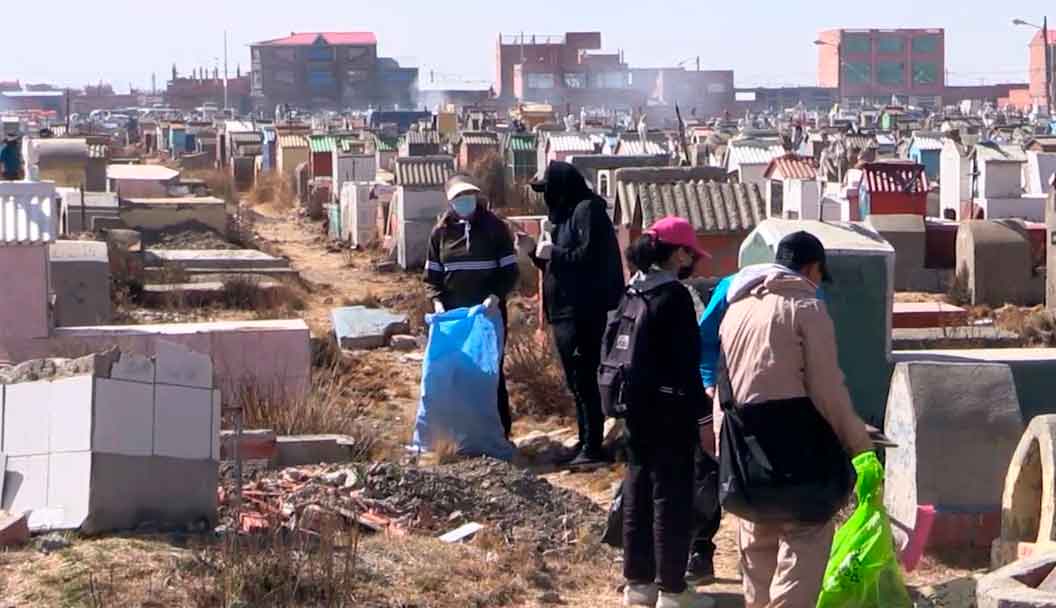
(658, 513)
(706, 471)
(579, 344)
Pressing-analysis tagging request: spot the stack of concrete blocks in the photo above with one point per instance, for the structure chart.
(1028, 505)
(80, 280)
(417, 210)
(995, 257)
(860, 300)
(1001, 191)
(126, 441)
(359, 212)
(956, 426)
(907, 234)
(30, 219)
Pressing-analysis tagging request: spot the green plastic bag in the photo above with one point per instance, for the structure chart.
(863, 570)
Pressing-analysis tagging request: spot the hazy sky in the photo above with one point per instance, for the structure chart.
(766, 43)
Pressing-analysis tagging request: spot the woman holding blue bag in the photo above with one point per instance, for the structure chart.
(472, 261)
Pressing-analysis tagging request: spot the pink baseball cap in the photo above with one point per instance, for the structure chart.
(677, 231)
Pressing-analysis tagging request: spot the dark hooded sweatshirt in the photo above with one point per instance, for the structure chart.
(584, 276)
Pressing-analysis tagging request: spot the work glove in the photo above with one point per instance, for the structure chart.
(438, 306)
(526, 245)
(545, 227)
(491, 302)
(870, 475)
(544, 250)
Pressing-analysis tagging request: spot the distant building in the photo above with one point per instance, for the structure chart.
(329, 70)
(1037, 66)
(874, 64)
(191, 93)
(564, 69)
(762, 99)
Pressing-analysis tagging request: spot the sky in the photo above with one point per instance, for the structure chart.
(765, 43)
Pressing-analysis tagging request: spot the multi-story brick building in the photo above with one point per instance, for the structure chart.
(563, 69)
(875, 64)
(1038, 81)
(329, 70)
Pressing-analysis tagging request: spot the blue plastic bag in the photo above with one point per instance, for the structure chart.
(460, 382)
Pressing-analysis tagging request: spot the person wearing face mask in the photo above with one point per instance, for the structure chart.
(666, 408)
(471, 261)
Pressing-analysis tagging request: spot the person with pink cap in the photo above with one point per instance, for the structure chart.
(666, 404)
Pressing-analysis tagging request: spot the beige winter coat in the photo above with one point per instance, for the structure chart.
(780, 343)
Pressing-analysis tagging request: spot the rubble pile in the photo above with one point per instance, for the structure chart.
(514, 503)
(188, 235)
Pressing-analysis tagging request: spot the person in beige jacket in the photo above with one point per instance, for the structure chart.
(780, 344)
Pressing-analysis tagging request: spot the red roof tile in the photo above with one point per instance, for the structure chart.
(898, 177)
(792, 166)
(332, 38)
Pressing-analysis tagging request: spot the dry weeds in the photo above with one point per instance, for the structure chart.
(537, 383)
(275, 190)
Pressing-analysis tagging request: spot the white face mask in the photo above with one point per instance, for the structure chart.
(464, 206)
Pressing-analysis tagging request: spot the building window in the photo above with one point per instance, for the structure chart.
(891, 45)
(355, 52)
(287, 54)
(926, 44)
(925, 72)
(320, 53)
(540, 81)
(856, 44)
(716, 88)
(256, 55)
(603, 185)
(575, 81)
(857, 72)
(284, 76)
(890, 73)
(609, 80)
(357, 75)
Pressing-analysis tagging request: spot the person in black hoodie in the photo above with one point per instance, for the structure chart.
(582, 281)
(667, 410)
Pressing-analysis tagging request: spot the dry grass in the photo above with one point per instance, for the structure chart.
(334, 404)
(1036, 325)
(275, 190)
(533, 370)
(269, 302)
(220, 184)
(368, 300)
(958, 292)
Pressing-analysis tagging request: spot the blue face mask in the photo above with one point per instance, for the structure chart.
(464, 206)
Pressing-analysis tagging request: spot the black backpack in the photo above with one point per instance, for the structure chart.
(619, 353)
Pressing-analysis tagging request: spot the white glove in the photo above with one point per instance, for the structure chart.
(544, 250)
(525, 245)
(491, 302)
(438, 306)
(545, 226)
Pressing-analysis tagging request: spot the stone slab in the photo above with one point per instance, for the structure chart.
(946, 338)
(183, 419)
(919, 315)
(1015, 585)
(1034, 371)
(300, 450)
(213, 258)
(360, 328)
(14, 529)
(123, 418)
(956, 425)
(255, 445)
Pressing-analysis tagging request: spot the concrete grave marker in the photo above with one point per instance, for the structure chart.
(362, 328)
(956, 426)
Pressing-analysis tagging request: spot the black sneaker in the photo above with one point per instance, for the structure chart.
(588, 459)
(570, 455)
(700, 570)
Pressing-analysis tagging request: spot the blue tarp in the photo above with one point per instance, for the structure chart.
(460, 380)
